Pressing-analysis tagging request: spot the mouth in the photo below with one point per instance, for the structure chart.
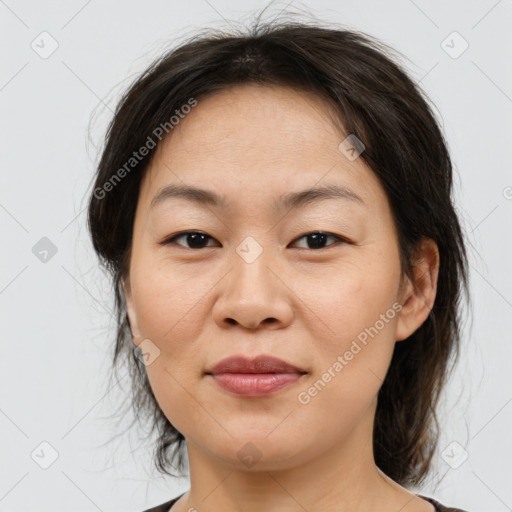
(263, 375)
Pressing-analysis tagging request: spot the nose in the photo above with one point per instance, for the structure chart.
(253, 295)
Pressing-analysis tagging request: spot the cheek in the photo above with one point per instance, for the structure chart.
(351, 362)
(341, 302)
(168, 306)
(352, 317)
(167, 300)
(170, 309)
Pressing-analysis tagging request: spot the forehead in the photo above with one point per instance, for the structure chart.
(259, 138)
(248, 117)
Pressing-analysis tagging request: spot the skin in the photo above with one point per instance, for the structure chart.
(302, 304)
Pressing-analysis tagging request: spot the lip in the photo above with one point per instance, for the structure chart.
(259, 364)
(259, 376)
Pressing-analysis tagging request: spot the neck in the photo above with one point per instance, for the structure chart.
(339, 478)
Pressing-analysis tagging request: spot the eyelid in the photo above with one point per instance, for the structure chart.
(340, 239)
(170, 239)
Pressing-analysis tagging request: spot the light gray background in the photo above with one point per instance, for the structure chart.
(56, 327)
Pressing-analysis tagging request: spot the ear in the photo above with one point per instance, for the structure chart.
(130, 310)
(418, 298)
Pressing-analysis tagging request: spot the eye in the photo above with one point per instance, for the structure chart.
(318, 238)
(196, 239)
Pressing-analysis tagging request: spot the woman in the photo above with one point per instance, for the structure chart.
(275, 209)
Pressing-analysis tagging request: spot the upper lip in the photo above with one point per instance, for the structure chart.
(259, 364)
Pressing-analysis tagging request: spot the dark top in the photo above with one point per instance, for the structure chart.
(164, 507)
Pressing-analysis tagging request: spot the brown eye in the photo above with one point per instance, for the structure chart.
(195, 239)
(199, 240)
(317, 239)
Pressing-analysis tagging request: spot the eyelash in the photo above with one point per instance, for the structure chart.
(172, 239)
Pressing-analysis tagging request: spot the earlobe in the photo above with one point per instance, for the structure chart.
(418, 298)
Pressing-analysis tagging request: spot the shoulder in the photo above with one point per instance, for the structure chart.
(439, 507)
(164, 507)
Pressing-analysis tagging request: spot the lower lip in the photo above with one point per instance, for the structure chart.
(255, 384)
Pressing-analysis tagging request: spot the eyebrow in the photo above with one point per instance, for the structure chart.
(286, 201)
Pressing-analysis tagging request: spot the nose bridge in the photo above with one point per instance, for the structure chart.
(252, 267)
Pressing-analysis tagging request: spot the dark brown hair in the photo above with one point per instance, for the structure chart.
(375, 100)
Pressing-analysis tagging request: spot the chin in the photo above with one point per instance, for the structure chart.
(259, 452)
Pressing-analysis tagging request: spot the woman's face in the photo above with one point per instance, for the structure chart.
(257, 285)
